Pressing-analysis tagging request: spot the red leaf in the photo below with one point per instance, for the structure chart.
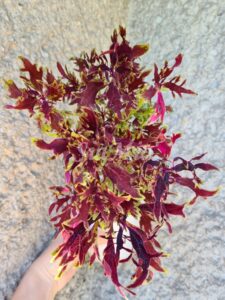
(114, 199)
(160, 109)
(92, 258)
(178, 89)
(178, 60)
(14, 91)
(150, 93)
(68, 177)
(126, 259)
(114, 96)
(158, 192)
(35, 73)
(56, 118)
(199, 156)
(51, 207)
(83, 211)
(138, 81)
(185, 181)
(89, 94)
(121, 178)
(175, 137)
(169, 226)
(89, 120)
(58, 145)
(155, 263)
(188, 182)
(150, 249)
(164, 148)
(25, 102)
(139, 280)
(156, 75)
(61, 70)
(205, 167)
(174, 209)
(143, 256)
(205, 193)
(145, 222)
(110, 262)
(139, 50)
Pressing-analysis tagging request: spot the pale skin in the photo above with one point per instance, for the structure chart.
(38, 281)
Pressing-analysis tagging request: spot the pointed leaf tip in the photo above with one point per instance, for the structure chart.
(34, 140)
(178, 60)
(139, 50)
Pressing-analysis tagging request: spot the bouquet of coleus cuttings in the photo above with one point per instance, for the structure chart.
(116, 152)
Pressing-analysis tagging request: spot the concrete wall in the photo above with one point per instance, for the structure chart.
(196, 29)
(47, 31)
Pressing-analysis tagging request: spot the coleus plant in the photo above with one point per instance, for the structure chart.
(116, 153)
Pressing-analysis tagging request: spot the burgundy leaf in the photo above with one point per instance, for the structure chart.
(138, 81)
(88, 96)
(178, 60)
(159, 190)
(199, 156)
(14, 91)
(138, 245)
(156, 265)
(110, 262)
(35, 73)
(174, 209)
(205, 167)
(90, 121)
(139, 50)
(61, 70)
(140, 278)
(114, 98)
(178, 89)
(92, 259)
(58, 145)
(205, 193)
(185, 181)
(150, 93)
(121, 178)
(175, 137)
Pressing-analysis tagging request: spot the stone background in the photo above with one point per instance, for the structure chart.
(47, 31)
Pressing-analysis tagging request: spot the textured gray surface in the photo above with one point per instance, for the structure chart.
(196, 29)
(44, 31)
(52, 30)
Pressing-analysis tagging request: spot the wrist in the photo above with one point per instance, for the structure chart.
(35, 286)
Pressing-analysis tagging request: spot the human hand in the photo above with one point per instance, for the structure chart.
(39, 280)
